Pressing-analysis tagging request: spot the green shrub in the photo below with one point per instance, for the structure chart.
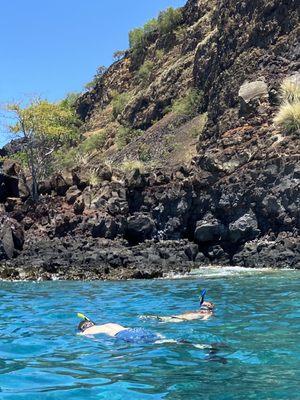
(144, 153)
(150, 26)
(169, 19)
(120, 102)
(136, 38)
(67, 158)
(189, 104)
(126, 135)
(145, 71)
(94, 142)
(70, 100)
(197, 129)
(159, 54)
(166, 22)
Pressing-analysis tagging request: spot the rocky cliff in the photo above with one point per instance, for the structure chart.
(227, 195)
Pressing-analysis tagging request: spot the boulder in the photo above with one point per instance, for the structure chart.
(72, 194)
(139, 228)
(7, 247)
(12, 185)
(251, 95)
(104, 173)
(105, 227)
(11, 168)
(116, 206)
(12, 203)
(11, 239)
(209, 229)
(173, 229)
(59, 184)
(192, 251)
(244, 228)
(218, 256)
(45, 187)
(270, 252)
(136, 180)
(80, 179)
(79, 206)
(253, 90)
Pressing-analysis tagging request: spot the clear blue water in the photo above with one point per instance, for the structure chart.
(257, 316)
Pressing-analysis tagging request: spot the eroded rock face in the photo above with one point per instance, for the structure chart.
(209, 229)
(139, 228)
(11, 238)
(244, 229)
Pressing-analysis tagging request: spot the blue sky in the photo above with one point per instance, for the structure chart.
(53, 47)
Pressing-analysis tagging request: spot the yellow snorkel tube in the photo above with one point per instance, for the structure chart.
(84, 317)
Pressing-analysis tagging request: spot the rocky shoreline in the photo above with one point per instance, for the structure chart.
(147, 225)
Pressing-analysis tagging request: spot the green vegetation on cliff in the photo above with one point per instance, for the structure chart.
(189, 104)
(45, 128)
(119, 103)
(166, 22)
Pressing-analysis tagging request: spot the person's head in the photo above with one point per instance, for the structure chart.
(84, 325)
(208, 305)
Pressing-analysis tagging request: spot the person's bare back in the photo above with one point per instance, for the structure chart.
(107, 329)
(204, 312)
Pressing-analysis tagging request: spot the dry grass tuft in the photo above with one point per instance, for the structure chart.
(290, 90)
(131, 165)
(288, 116)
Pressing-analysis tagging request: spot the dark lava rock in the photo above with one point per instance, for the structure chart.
(59, 184)
(79, 206)
(139, 228)
(105, 228)
(280, 252)
(11, 238)
(72, 194)
(209, 229)
(244, 229)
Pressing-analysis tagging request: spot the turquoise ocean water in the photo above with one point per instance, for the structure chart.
(256, 328)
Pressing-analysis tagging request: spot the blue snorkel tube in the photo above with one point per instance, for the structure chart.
(203, 293)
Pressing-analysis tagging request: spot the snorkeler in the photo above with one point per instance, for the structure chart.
(131, 335)
(205, 311)
(140, 335)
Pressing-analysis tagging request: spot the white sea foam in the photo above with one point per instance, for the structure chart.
(218, 271)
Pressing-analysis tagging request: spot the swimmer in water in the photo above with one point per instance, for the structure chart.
(205, 311)
(88, 328)
(131, 335)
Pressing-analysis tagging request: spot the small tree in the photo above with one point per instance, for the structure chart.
(97, 77)
(70, 100)
(119, 54)
(45, 128)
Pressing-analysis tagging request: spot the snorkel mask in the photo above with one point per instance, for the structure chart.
(86, 323)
